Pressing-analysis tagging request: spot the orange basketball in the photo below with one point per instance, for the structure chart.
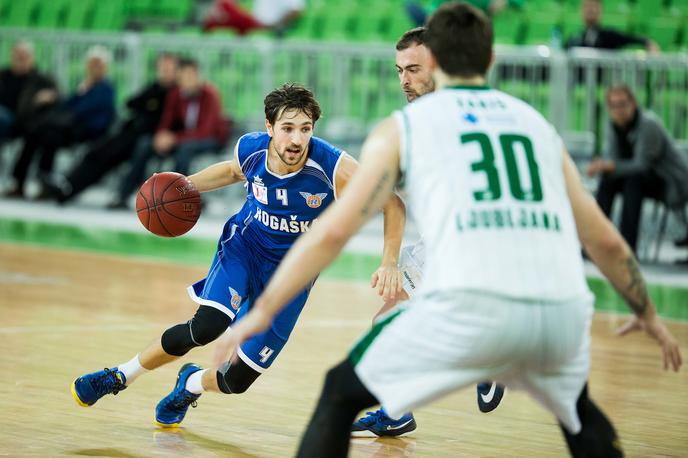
(168, 204)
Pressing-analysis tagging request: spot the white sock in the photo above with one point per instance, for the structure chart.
(132, 369)
(194, 383)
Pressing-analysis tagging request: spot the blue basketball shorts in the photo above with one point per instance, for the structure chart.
(236, 278)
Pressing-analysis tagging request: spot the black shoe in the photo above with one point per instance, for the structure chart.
(489, 396)
(13, 194)
(682, 243)
(49, 192)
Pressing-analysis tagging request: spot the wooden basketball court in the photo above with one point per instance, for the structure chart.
(65, 313)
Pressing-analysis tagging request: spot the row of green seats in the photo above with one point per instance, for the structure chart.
(63, 14)
(670, 32)
(536, 23)
(179, 10)
(89, 14)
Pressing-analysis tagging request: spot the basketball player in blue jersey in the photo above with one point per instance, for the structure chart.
(291, 177)
(415, 78)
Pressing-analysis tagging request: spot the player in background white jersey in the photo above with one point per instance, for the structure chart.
(413, 65)
(502, 210)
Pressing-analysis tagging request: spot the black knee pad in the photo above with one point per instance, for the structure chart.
(236, 377)
(206, 325)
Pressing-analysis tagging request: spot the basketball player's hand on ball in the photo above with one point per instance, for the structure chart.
(387, 279)
(255, 322)
(654, 327)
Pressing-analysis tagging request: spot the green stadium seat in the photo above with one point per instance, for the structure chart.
(51, 14)
(397, 25)
(664, 31)
(108, 15)
(77, 14)
(617, 7)
(540, 29)
(369, 27)
(178, 10)
(337, 23)
(648, 8)
(617, 21)
(139, 8)
(4, 7)
(305, 27)
(570, 26)
(508, 28)
(544, 8)
(20, 13)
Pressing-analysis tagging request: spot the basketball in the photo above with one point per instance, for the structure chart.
(168, 204)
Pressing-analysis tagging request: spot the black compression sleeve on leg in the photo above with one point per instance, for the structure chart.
(597, 438)
(329, 430)
(206, 325)
(236, 377)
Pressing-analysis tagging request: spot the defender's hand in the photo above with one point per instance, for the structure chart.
(654, 327)
(388, 281)
(255, 322)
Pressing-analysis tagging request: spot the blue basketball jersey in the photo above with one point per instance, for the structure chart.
(279, 208)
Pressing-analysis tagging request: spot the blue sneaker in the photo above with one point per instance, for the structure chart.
(489, 396)
(379, 424)
(88, 388)
(171, 410)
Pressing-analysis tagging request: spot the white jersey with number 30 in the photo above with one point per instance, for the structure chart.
(484, 179)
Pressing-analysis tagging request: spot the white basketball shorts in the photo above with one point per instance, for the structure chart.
(441, 342)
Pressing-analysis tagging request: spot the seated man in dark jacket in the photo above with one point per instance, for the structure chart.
(594, 35)
(192, 123)
(641, 160)
(24, 92)
(146, 109)
(85, 115)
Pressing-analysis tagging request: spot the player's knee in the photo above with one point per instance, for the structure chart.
(236, 378)
(206, 325)
(176, 341)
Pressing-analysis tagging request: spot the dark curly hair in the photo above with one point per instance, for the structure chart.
(291, 96)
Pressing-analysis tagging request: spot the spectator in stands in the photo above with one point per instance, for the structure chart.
(85, 115)
(146, 109)
(640, 160)
(192, 123)
(594, 35)
(24, 92)
(276, 15)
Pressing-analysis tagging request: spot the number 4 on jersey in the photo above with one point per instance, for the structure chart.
(282, 196)
(265, 354)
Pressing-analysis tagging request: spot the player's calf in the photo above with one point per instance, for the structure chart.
(597, 437)
(236, 377)
(343, 396)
